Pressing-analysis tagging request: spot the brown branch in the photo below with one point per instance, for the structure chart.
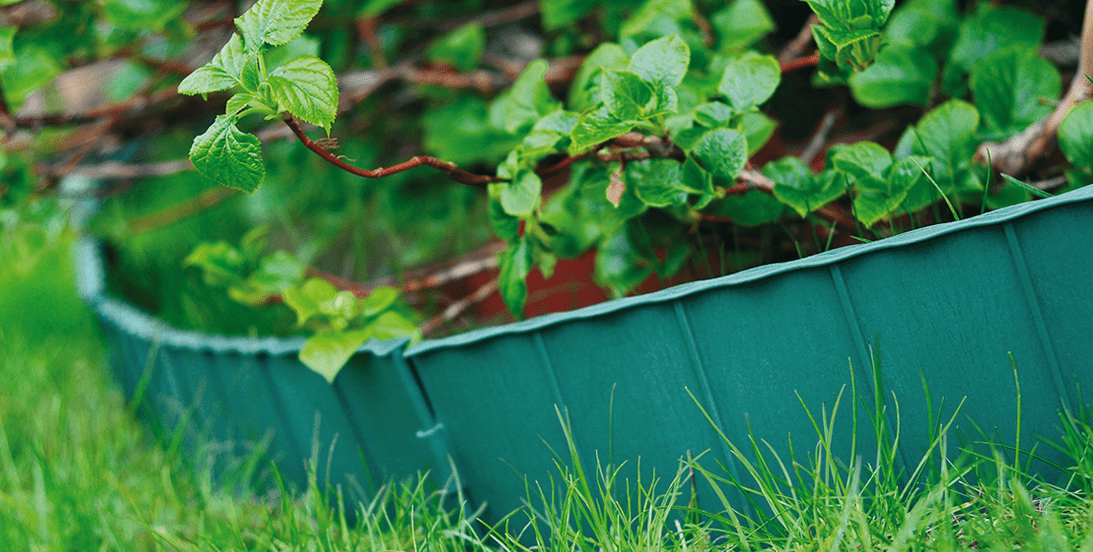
(809, 61)
(757, 181)
(1018, 154)
(179, 211)
(797, 47)
(457, 308)
(115, 170)
(451, 169)
(135, 107)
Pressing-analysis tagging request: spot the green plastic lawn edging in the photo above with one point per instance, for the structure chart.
(947, 305)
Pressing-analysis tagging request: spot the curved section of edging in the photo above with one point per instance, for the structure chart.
(235, 402)
(946, 304)
(827, 258)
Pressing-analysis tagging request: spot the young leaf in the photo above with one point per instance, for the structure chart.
(662, 62)
(307, 299)
(520, 197)
(863, 160)
(713, 114)
(947, 133)
(228, 156)
(875, 199)
(757, 128)
(722, 152)
(391, 325)
(1076, 135)
(659, 182)
(515, 264)
(606, 56)
(529, 99)
(223, 72)
(596, 126)
(993, 28)
(306, 88)
(275, 22)
(379, 300)
(750, 209)
(625, 94)
(1011, 90)
(900, 75)
(327, 353)
(796, 186)
(619, 267)
(750, 80)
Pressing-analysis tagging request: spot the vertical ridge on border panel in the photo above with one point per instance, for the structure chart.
(358, 435)
(864, 355)
(555, 389)
(704, 381)
(283, 426)
(432, 429)
(1037, 313)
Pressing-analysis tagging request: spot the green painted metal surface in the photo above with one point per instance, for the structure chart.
(946, 305)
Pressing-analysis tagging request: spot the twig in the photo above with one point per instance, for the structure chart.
(366, 30)
(179, 211)
(457, 308)
(451, 169)
(757, 181)
(819, 137)
(1016, 155)
(808, 61)
(115, 170)
(797, 47)
(137, 106)
(496, 17)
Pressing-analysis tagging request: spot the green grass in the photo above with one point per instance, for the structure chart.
(77, 472)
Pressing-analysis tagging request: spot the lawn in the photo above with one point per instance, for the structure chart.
(78, 472)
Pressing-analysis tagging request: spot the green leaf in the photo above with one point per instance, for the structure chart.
(626, 95)
(504, 225)
(381, 299)
(875, 199)
(751, 209)
(223, 72)
(1076, 135)
(947, 133)
(327, 353)
(560, 13)
(741, 24)
(142, 14)
(750, 80)
(907, 173)
(221, 264)
(228, 156)
(923, 24)
(797, 187)
(517, 109)
(1013, 88)
(392, 325)
(459, 132)
(306, 87)
(657, 17)
(275, 274)
(863, 160)
(722, 152)
(662, 62)
(520, 197)
(515, 264)
(713, 114)
(275, 22)
(461, 48)
(619, 266)
(585, 90)
(659, 182)
(900, 75)
(33, 68)
(993, 28)
(597, 126)
(758, 129)
(7, 49)
(307, 299)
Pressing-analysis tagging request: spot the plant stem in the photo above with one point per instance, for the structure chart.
(451, 169)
